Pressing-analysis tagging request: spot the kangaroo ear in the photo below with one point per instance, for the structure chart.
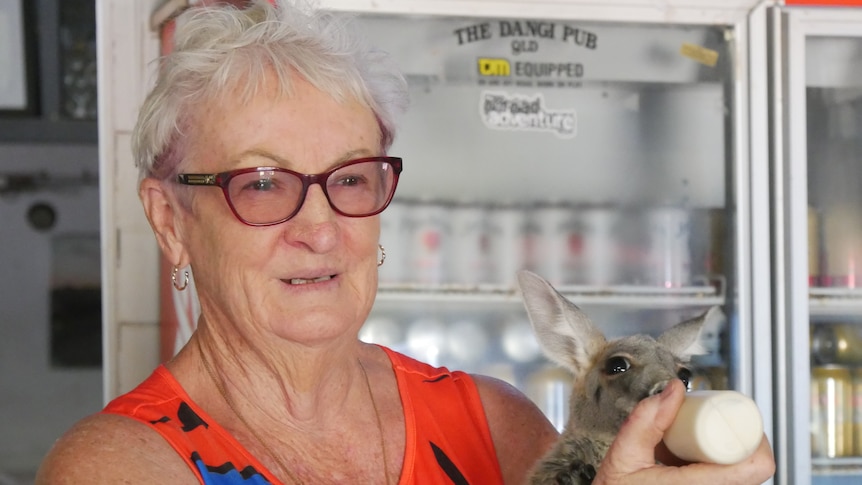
(565, 333)
(684, 340)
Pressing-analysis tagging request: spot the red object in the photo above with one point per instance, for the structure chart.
(825, 3)
(447, 434)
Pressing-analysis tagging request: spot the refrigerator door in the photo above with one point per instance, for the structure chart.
(611, 156)
(819, 245)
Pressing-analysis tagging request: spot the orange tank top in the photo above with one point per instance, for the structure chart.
(447, 436)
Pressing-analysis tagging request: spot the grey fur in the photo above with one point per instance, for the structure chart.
(600, 401)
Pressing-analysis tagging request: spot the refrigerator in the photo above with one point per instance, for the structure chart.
(817, 203)
(609, 156)
(616, 149)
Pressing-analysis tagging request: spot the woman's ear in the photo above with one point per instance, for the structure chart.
(163, 213)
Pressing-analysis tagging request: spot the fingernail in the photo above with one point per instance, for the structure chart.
(666, 392)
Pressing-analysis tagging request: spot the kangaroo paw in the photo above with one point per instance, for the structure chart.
(578, 473)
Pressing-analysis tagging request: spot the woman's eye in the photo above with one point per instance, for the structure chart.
(349, 180)
(617, 365)
(260, 185)
(685, 376)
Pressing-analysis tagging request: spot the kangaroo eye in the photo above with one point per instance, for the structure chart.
(685, 376)
(617, 365)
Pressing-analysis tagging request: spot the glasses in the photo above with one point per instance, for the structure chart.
(265, 196)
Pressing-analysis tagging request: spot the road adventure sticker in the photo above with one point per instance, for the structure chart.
(504, 111)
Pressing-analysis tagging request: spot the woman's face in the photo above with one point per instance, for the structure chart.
(312, 278)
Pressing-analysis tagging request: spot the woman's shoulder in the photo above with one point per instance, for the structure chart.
(520, 431)
(500, 397)
(110, 448)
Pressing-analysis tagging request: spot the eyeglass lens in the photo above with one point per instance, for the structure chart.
(265, 196)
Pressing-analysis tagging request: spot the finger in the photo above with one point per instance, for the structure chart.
(754, 470)
(647, 423)
(757, 468)
(670, 400)
(635, 444)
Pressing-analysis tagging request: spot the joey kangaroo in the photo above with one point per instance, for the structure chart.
(609, 377)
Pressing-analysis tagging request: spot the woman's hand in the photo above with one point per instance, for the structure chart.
(632, 457)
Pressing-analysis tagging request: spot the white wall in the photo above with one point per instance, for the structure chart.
(38, 402)
(127, 47)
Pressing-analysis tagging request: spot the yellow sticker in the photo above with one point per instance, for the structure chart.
(494, 67)
(699, 53)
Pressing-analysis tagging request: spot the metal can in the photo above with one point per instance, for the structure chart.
(813, 247)
(555, 255)
(718, 378)
(669, 260)
(857, 411)
(531, 239)
(468, 342)
(709, 241)
(383, 330)
(429, 239)
(831, 411)
(836, 343)
(594, 247)
(549, 388)
(842, 240)
(699, 382)
(507, 241)
(716, 252)
(518, 340)
(469, 259)
(425, 340)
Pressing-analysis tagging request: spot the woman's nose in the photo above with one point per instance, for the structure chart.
(314, 224)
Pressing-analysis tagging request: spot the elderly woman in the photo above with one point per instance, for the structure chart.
(262, 151)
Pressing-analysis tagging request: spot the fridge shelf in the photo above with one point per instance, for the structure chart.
(621, 295)
(850, 465)
(824, 302)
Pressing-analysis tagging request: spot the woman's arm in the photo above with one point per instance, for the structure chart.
(107, 448)
(520, 431)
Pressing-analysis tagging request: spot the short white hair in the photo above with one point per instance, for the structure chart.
(224, 50)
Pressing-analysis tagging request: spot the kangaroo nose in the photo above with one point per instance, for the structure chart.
(658, 387)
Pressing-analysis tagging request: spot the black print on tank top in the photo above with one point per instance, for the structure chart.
(448, 467)
(189, 418)
(248, 473)
(162, 420)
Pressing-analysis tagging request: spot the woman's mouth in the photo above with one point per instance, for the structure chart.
(304, 281)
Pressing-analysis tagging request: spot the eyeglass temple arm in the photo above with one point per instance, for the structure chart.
(197, 178)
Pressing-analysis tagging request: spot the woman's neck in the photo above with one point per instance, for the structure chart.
(273, 377)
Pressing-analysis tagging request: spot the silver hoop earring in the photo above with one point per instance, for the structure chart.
(185, 279)
(382, 255)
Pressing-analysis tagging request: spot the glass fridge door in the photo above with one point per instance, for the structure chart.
(820, 217)
(611, 157)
